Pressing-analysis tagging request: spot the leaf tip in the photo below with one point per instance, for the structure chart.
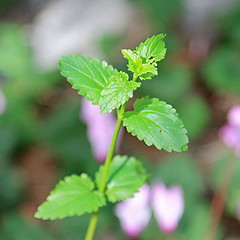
(36, 215)
(185, 148)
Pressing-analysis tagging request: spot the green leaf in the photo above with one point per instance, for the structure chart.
(72, 196)
(136, 65)
(118, 91)
(157, 123)
(134, 61)
(126, 176)
(143, 61)
(153, 48)
(148, 71)
(88, 75)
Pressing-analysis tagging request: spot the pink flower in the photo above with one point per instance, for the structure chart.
(100, 129)
(2, 102)
(230, 132)
(168, 206)
(135, 213)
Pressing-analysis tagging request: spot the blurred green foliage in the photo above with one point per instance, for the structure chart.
(173, 82)
(22, 84)
(229, 24)
(194, 107)
(14, 227)
(61, 131)
(162, 13)
(11, 187)
(219, 172)
(222, 70)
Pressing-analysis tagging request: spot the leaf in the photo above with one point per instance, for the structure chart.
(72, 196)
(118, 91)
(157, 123)
(126, 176)
(135, 65)
(143, 61)
(153, 47)
(134, 61)
(147, 71)
(88, 75)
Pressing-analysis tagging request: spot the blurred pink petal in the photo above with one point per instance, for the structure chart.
(100, 129)
(2, 102)
(228, 135)
(234, 116)
(230, 132)
(168, 206)
(135, 213)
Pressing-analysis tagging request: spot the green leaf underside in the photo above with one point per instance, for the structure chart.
(118, 91)
(72, 196)
(157, 123)
(126, 176)
(143, 61)
(88, 75)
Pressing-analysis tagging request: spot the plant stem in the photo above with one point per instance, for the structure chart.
(109, 156)
(93, 221)
(219, 198)
(92, 226)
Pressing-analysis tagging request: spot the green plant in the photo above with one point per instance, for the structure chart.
(152, 120)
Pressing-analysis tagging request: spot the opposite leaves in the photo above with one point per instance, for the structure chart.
(97, 81)
(72, 196)
(157, 123)
(104, 85)
(126, 176)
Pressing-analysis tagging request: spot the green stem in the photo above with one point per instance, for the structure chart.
(109, 156)
(92, 226)
(93, 221)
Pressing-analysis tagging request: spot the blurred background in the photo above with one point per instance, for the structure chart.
(42, 136)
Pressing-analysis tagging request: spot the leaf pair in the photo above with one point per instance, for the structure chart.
(106, 86)
(142, 62)
(75, 195)
(97, 81)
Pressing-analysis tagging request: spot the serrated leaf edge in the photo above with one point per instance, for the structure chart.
(130, 158)
(184, 131)
(94, 209)
(91, 60)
